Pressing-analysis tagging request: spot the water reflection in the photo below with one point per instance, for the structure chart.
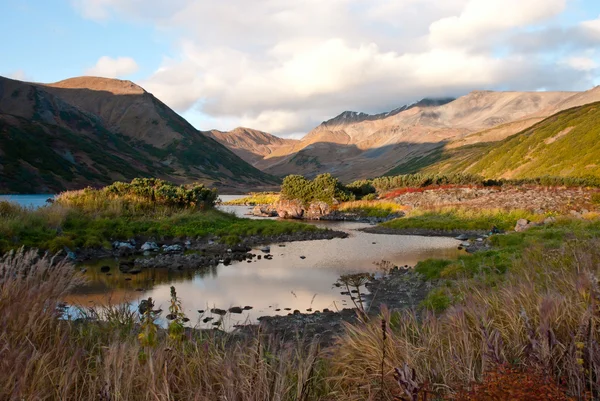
(271, 287)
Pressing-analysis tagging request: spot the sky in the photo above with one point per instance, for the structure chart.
(283, 66)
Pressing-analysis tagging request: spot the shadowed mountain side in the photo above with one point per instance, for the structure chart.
(565, 144)
(348, 162)
(56, 138)
(354, 145)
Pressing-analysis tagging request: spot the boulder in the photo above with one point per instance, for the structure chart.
(175, 248)
(150, 246)
(289, 209)
(264, 211)
(123, 246)
(522, 225)
(236, 309)
(218, 311)
(316, 210)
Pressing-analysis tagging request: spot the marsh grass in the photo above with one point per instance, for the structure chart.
(255, 198)
(371, 208)
(456, 218)
(87, 220)
(543, 316)
(45, 358)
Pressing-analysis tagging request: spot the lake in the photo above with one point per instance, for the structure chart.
(300, 276)
(279, 286)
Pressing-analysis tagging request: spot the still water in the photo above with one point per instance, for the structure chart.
(33, 201)
(300, 276)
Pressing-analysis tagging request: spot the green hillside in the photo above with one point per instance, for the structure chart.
(51, 140)
(566, 144)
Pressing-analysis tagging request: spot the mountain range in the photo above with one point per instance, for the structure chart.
(357, 145)
(92, 131)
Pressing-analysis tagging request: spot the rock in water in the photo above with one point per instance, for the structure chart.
(150, 246)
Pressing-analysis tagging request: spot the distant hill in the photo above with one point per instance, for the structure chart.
(356, 145)
(252, 145)
(566, 144)
(93, 131)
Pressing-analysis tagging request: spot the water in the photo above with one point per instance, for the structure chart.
(33, 201)
(286, 281)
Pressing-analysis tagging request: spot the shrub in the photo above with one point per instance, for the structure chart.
(139, 195)
(362, 188)
(324, 188)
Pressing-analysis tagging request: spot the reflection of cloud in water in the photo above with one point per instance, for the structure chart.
(286, 281)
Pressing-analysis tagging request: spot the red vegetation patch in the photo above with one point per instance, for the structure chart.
(505, 383)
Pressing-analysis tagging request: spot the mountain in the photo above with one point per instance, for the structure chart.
(93, 131)
(357, 145)
(566, 144)
(256, 147)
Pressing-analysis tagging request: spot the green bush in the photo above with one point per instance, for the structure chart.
(362, 189)
(324, 188)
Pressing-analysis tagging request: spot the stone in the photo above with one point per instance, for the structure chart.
(175, 248)
(150, 247)
(462, 237)
(550, 220)
(317, 210)
(207, 319)
(105, 269)
(289, 209)
(265, 249)
(522, 225)
(236, 309)
(302, 257)
(264, 211)
(249, 307)
(123, 246)
(217, 311)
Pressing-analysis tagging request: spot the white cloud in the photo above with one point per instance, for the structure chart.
(481, 18)
(113, 67)
(18, 75)
(284, 66)
(581, 63)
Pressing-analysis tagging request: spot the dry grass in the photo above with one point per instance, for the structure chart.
(545, 316)
(372, 208)
(45, 358)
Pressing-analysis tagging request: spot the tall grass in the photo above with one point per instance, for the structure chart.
(544, 316)
(45, 358)
(255, 198)
(371, 208)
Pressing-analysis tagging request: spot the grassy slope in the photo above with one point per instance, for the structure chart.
(55, 227)
(64, 147)
(537, 151)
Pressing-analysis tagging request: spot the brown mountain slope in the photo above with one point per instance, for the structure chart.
(356, 145)
(92, 131)
(252, 145)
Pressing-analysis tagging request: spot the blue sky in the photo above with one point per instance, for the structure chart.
(285, 66)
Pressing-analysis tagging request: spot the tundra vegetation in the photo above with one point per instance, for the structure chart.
(518, 320)
(148, 208)
(526, 329)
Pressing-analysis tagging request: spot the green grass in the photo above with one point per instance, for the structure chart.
(255, 198)
(461, 219)
(491, 265)
(55, 227)
(371, 208)
(546, 149)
